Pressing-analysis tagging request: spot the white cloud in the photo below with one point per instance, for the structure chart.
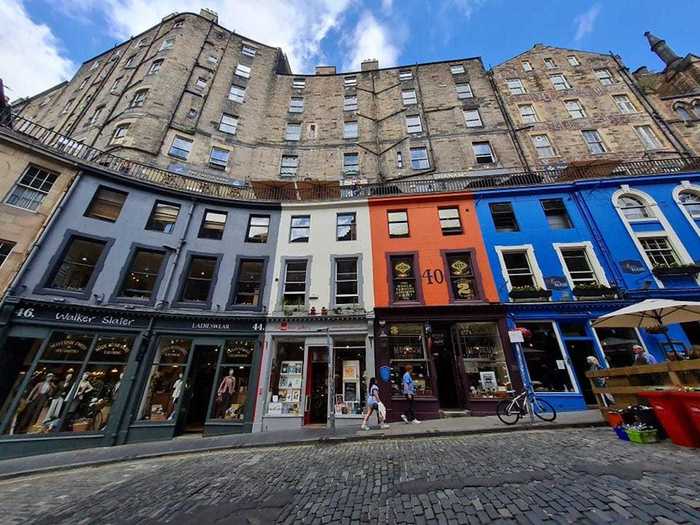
(585, 22)
(464, 7)
(371, 39)
(387, 5)
(297, 26)
(19, 37)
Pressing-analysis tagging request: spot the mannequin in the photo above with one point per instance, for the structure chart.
(37, 400)
(56, 406)
(79, 390)
(178, 385)
(116, 387)
(223, 395)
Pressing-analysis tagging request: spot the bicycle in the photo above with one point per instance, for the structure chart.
(509, 411)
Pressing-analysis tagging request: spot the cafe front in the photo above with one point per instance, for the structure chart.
(76, 377)
(459, 357)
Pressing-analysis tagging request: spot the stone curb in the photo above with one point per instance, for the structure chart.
(303, 442)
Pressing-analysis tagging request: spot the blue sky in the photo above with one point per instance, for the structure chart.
(46, 40)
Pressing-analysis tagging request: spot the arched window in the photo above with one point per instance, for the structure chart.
(682, 113)
(634, 208)
(690, 200)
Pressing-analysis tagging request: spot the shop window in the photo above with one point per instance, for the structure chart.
(73, 386)
(556, 214)
(19, 357)
(579, 266)
(484, 361)
(398, 223)
(300, 228)
(346, 227)
(31, 188)
(346, 285)
(503, 217)
(461, 275)
(166, 382)
(163, 217)
(286, 378)
(294, 291)
(349, 373)
(249, 282)
(213, 224)
(199, 279)
(233, 380)
(75, 271)
(617, 345)
(659, 251)
(406, 347)
(106, 204)
(450, 222)
(258, 228)
(545, 359)
(142, 276)
(403, 279)
(519, 270)
(5, 249)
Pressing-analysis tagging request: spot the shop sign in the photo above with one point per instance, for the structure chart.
(79, 318)
(211, 325)
(68, 347)
(556, 282)
(632, 266)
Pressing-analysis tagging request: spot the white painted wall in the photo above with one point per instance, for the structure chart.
(321, 247)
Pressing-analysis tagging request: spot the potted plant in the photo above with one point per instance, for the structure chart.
(529, 292)
(594, 290)
(676, 270)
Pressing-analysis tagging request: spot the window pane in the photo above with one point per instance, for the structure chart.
(166, 382)
(459, 268)
(213, 225)
(484, 361)
(78, 265)
(545, 360)
(346, 227)
(163, 217)
(249, 285)
(403, 278)
(286, 377)
(106, 204)
(141, 278)
(258, 227)
(198, 281)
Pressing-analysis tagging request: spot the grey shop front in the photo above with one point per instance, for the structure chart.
(73, 377)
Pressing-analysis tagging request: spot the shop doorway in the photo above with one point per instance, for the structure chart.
(444, 359)
(317, 386)
(578, 352)
(200, 381)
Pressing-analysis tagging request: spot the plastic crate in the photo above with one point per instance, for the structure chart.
(642, 436)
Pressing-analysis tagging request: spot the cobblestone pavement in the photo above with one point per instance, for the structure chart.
(564, 476)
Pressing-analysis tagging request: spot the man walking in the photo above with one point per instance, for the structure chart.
(409, 390)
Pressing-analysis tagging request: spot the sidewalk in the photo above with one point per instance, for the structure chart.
(196, 444)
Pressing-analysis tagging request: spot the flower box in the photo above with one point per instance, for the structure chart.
(530, 293)
(594, 292)
(676, 271)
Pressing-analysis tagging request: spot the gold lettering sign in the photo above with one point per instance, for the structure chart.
(459, 267)
(405, 291)
(464, 288)
(402, 269)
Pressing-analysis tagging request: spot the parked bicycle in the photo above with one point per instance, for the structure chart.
(509, 411)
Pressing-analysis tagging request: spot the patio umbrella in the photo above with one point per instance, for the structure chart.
(655, 314)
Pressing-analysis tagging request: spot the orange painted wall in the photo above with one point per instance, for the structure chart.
(427, 240)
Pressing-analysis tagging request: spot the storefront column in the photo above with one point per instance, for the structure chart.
(263, 381)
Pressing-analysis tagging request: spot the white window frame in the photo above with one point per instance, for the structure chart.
(351, 169)
(529, 250)
(295, 106)
(217, 164)
(231, 122)
(242, 71)
(687, 186)
(549, 63)
(413, 126)
(156, 66)
(587, 246)
(295, 136)
(349, 104)
(409, 97)
(168, 43)
(249, 50)
(573, 60)
(599, 142)
(528, 118)
(457, 69)
(647, 137)
(298, 83)
(238, 97)
(559, 86)
(95, 65)
(469, 118)
(426, 160)
(604, 76)
(185, 140)
(285, 169)
(476, 157)
(527, 66)
(515, 86)
(548, 145)
(579, 108)
(625, 106)
(405, 74)
(350, 81)
(466, 92)
(351, 129)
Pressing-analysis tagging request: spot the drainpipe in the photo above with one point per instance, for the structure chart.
(178, 251)
(667, 130)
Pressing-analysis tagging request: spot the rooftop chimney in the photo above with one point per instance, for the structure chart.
(325, 70)
(209, 15)
(662, 49)
(371, 64)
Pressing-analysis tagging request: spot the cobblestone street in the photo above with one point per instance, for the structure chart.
(569, 476)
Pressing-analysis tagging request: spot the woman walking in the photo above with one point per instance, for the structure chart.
(373, 405)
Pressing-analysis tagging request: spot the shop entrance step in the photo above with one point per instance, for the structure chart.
(455, 412)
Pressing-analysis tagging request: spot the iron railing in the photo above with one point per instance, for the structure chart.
(280, 191)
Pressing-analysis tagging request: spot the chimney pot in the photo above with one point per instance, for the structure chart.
(370, 64)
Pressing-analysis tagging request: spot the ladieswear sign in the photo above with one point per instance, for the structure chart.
(79, 318)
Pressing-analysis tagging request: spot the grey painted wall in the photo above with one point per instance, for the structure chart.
(129, 228)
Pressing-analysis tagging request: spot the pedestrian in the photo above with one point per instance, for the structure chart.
(599, 382)
(642, 357)
(409, 391)
(373, 405)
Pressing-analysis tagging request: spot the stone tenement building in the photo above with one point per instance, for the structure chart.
(193, 97)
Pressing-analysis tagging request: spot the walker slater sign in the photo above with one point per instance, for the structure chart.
(92, 319)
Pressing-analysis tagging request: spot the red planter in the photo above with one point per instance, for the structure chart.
(671, 413)
(691, 403)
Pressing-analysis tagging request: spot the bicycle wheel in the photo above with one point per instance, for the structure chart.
(508, 411)
(543, 410)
